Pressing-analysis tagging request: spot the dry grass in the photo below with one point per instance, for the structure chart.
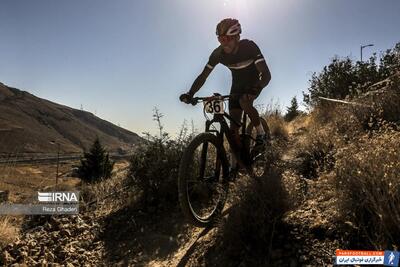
(361, 144)
(299, 124)
(323, 113)
(272, 113)
(277, 126)
(111, 193)
(316, 152)
(24, 180)
(8, 231)
(368, 181)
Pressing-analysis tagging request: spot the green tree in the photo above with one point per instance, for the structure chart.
(390, 61)
(344, 78)
(293, 110)
(95, 164)
(333, 82)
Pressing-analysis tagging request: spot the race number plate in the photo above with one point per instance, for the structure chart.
(214, 106)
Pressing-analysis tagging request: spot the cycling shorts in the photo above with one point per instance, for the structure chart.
(237, 94)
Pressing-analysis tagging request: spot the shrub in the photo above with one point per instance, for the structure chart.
(95, 164)
(380, 110)
(316, 153)
(368, 182)
(113, 194)
(387, 106)
(323, 113)
(348, 121)
(155, 164)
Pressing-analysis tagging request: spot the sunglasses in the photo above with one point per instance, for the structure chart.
(225, 38)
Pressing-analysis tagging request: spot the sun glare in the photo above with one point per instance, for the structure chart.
(237, 8)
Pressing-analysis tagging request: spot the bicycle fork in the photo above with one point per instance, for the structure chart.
(203, 157)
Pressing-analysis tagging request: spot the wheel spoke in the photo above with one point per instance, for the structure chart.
(204, 190)
(201, 191)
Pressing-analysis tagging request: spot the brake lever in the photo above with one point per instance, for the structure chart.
(193, 101)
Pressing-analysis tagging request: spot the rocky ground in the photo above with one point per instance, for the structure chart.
(57, 240)
(305, 235)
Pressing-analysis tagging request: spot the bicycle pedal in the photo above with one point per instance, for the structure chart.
(258, 155)
(233, 173)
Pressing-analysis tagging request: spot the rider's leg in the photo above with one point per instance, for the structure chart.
(246, 103)
(236, 114)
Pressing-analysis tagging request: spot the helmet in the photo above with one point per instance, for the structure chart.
(228, 27)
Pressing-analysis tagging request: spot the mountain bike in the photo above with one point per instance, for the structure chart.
(204, 171)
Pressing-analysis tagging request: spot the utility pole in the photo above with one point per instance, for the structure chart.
(58, 158)
(361, 49)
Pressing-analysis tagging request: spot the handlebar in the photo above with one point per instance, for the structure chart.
(196, 100)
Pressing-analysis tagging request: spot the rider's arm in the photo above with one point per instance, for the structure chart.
(201, 79)
(265, 74)
(261, 65)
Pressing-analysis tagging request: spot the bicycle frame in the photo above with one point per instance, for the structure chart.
(224, 130)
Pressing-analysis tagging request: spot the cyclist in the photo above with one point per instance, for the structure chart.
(250, 74)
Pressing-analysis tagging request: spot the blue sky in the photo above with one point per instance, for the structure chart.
(119, 59)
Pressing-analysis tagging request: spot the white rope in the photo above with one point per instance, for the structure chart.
(344, 102)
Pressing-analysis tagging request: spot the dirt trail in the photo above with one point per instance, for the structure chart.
(198, 241)
(305, 236)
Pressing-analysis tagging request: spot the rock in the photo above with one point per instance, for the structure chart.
(330, 232)
(24, 254)
(54, 235)
(34, 252)
(50, 256)
(303, 258)
(84, 243)
(6, 257)
(32, 262)
(4, 196)
(47, 226)
(65, 232)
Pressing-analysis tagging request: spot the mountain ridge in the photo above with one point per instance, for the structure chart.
(28, 124)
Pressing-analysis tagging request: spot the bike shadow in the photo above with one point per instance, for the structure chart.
(252, 231)
(189, 252)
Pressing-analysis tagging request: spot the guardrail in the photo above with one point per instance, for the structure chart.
(16, 160)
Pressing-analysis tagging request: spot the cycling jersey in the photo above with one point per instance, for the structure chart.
(241, 64)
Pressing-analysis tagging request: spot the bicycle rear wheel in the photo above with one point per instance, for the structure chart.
(260, 162)
(202, 182)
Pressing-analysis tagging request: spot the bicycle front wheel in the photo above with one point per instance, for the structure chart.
(202, 182)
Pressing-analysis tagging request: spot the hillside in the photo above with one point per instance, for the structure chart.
(28, 124)
(332, 183)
